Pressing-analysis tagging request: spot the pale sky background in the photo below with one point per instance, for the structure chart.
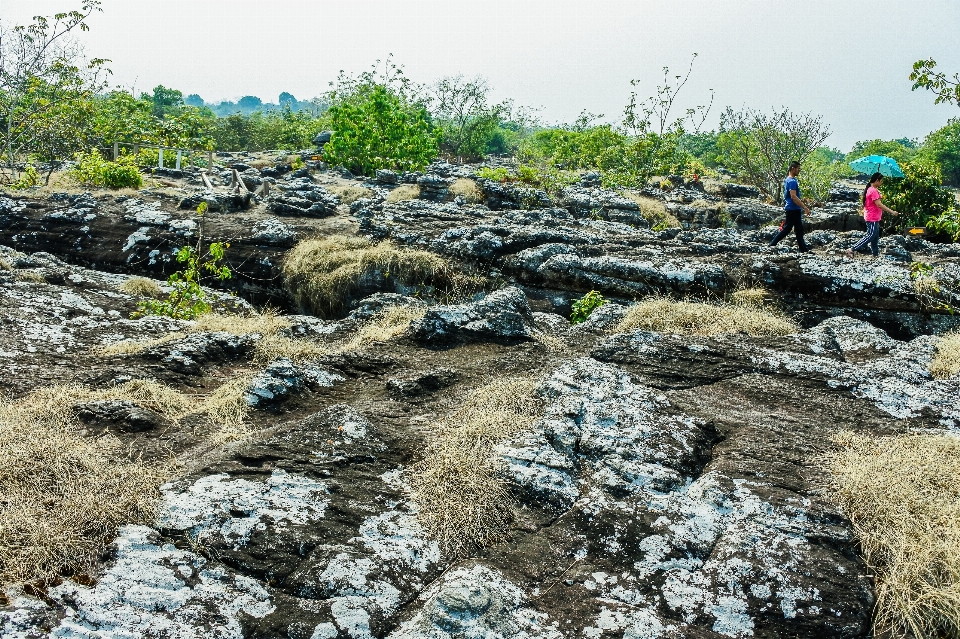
(847, 60)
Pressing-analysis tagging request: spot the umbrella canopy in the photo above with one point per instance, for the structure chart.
(877, 164)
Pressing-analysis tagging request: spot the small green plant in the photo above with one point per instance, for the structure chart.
(28, 177)
(585, 305)
(528, 174)
(297, 163)
(498, 174)
(92, 169)
(947, 223)
(188, 299)
(933, 294)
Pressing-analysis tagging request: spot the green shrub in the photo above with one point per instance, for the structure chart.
(29, 177)
(376, 127)
(917, 197)
(943, 148)
(585, 305)
(947, 223)
(498, 174)
(92, 169)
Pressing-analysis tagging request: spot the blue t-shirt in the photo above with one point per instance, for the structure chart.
(791, 184)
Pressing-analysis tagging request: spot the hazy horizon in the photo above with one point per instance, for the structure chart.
(846, 61)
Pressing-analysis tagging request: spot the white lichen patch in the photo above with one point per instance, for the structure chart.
(233, 508)
(154, 590)
(475, 601)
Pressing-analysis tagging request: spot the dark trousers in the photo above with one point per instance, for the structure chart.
(793, 220)
(872, 238)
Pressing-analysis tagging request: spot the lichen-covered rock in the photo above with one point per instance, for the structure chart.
(120, 414)
(190, 354)
(283, 377)
(502, 316)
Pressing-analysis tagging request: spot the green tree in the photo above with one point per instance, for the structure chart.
(760, 146)
(943, 148)
(193, 100)
(120, 117)
(902, 150)
(380, 121)
(469, 123)
(918, 197)
(40, 70)
(945, 88)
(165, 101)
(250, 103)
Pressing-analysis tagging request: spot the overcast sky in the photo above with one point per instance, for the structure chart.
(845, 59)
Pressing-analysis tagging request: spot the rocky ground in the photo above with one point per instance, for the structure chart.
(669, 487)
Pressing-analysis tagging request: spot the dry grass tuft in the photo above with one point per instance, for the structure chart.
(946, 361)
(349, 194)
(132, 347)
(903, 496)
(265, 323)
(227, 406)
(665, 315)
(403, 192)
(654, 212)
(389, 323)
(5, 265)
(321, 274)
(30, 276)
(467, 189)
(63, 495)
(142, 287)
(463, 499)
(755, 297)
(271, 347)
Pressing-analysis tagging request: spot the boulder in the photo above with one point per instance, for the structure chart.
(502, 316)
(119, 414)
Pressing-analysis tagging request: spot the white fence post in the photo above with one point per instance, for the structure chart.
(179, 156)
(160, 161)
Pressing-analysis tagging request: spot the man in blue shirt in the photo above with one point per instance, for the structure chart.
(793, 209)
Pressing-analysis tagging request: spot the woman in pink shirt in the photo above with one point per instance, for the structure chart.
(873, 210)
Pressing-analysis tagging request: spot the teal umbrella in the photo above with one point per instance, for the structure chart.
(877, 164)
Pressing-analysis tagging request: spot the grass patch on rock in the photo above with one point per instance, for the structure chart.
(403, 192)
(322, 274)
(388, 324)
(946, 360)
(467, 189)
(654, 212)
(463, 498)
(349, 194)
(683, 317)
(902, 495)
(142, 287)
(63, 494)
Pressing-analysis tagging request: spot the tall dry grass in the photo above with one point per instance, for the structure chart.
(467, 189)
(665, 315)
(321, 274)
(386, 325)
(654, 211)
(463, 499)
(403, 192)
(946, 359)
(64, 492)
(902, 495)
(142, 287)
(63, 495)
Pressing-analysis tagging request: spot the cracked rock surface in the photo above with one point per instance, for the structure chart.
(668, 486)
